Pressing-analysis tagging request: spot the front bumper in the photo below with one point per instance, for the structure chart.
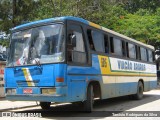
(42, 98)
(61, 95)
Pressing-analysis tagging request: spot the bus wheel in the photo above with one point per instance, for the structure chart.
(45, 105)
(88, 103)
(139, 94)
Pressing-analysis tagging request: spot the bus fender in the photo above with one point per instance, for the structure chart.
(96, 88)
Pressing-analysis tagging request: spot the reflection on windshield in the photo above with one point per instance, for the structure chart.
(44, 44)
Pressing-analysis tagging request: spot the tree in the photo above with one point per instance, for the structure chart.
(16, 12)
(134, 5)
(140, 26)
(5, 15)
(138, 19)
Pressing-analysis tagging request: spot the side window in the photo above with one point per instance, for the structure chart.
(75, 45)
(116, 46)
(143, 54)
(123, 49)
(150, 56)
(138, 53)
(111, 44)
(132, 50)
(127, 49)
(79, 41)
(92, 47)
(153, 55)
(106, 44)
(96, 40)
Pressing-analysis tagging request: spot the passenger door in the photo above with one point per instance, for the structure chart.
(77, 61)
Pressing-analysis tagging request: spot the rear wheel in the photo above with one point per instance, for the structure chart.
(45, 105)
(88, 103)
(139, 94)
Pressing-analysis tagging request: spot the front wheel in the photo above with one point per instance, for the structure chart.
(88, 103)
(139, 94)
(45, 105)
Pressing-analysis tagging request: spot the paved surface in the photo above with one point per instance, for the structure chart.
(150, 102)
(6, 105)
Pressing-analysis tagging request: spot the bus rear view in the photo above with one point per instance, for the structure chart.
(35, 68)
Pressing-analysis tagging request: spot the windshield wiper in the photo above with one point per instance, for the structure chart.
(37, 61)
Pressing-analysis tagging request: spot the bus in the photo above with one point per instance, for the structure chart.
(69, 59)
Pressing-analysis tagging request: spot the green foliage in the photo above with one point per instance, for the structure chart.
(16, 12)
(134, 5)
(139, 19)
(142, 26)
(5, 15)
(4, 43)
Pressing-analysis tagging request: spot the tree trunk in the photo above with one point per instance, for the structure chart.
(14, 13)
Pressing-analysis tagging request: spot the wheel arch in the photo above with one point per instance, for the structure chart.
(141, 80)
(96, 88)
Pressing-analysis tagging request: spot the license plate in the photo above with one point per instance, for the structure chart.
(27, 91)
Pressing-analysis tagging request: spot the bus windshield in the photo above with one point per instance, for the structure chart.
(44, 44)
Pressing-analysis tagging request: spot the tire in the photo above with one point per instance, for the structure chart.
(88, 103)
(139, 94)
(45, 105)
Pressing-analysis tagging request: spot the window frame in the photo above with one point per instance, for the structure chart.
(102, 40)
(82, 26)
(129, 56)
(106, 39)
(123, 40)
(112, 50)
(88, 27)
(142, 59)
(153, 56)
(126, 51)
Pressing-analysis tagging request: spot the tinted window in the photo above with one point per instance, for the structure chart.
(123, 49)
(98, 41)
(132, 51)
(150, 56)
(143, 54)
(111, 44)
(106, 44)
(92, 47)
(138, 53)
(116, 46)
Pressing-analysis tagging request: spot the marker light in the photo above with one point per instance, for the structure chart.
(59, 79)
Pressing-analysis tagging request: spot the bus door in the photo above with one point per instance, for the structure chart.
(77, 60)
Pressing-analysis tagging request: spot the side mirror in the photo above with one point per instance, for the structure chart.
(73, 40)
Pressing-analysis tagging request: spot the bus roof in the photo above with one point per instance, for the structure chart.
(56, 19)
(85, 22)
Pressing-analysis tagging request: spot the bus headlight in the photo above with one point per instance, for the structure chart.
(46, 91)
(10, 91)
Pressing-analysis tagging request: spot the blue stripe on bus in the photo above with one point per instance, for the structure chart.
(53, 20)
(94, 69)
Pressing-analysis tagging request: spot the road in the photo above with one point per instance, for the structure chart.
(150, 102)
